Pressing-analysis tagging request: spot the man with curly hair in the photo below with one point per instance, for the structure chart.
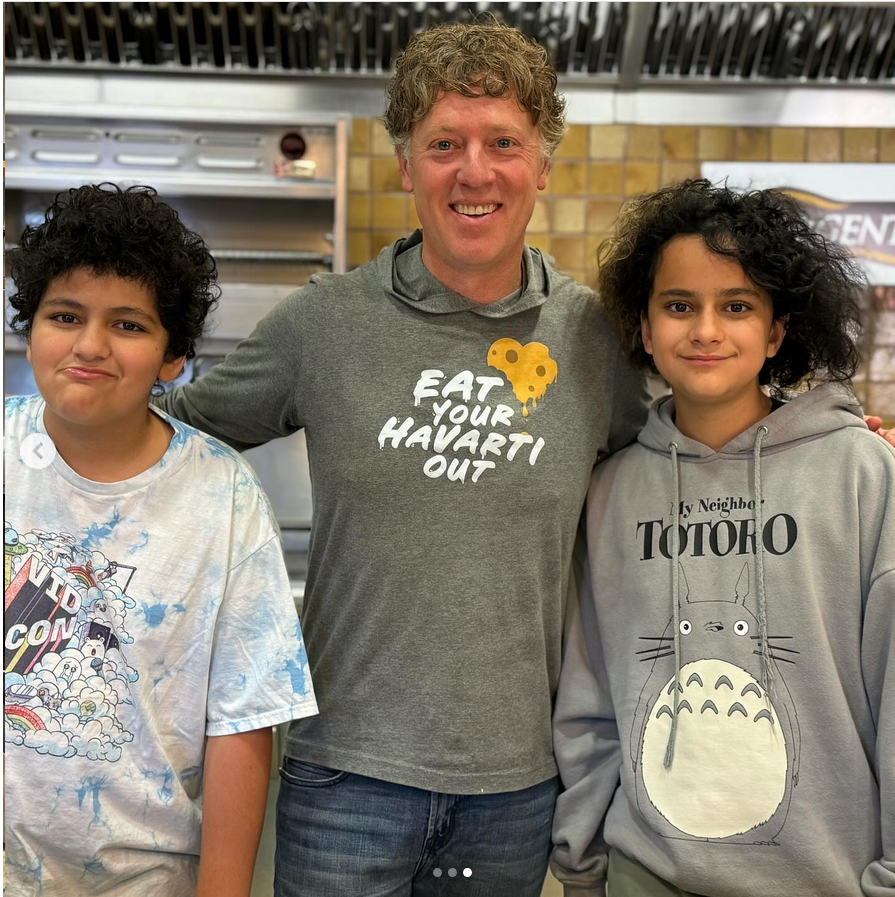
(456, 393)
(150, 637)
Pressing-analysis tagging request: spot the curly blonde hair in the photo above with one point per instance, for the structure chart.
(467, 59)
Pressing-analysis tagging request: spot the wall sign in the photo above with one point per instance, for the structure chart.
(851, 204)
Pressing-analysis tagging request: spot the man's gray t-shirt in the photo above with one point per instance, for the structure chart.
(451, 445)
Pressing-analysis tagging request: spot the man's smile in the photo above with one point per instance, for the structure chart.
(473, 210)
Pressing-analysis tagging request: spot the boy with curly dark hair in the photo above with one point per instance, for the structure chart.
(150, 637)
(724, 723)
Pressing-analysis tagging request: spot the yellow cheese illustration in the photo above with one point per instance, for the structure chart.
(529, 368)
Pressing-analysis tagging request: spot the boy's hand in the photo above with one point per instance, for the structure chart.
(237, 770)
(876, 424)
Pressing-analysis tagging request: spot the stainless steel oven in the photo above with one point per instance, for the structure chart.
(267, 191)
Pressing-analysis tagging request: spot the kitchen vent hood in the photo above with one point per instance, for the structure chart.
(620, 44)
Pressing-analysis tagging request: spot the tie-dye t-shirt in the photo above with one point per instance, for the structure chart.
(140, 616)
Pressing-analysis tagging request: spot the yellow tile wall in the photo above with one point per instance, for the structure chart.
(594, 170)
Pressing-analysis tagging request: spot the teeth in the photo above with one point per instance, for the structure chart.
(476, 210)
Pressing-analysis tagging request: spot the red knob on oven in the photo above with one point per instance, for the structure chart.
(293, 145)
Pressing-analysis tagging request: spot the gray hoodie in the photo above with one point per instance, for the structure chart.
(742, 687)
(451, 445)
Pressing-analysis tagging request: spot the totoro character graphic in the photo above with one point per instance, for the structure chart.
(736, 751)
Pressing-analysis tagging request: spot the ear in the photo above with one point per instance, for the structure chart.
(406, 173)
(545, 170)
(680, 567)
(646, 334)
(172, 369)
(742, 586)
(778, 331)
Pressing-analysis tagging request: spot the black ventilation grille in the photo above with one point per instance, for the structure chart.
(320, 38)
(799, 43)
(715, 42)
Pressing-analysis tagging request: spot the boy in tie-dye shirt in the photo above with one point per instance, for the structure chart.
(150, 638)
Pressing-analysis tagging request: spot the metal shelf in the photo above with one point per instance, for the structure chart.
(40, 107)
(170, 184)
(287, 256)
(290, 256)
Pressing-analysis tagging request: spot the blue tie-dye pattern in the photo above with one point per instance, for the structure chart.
(97, 533)
(160, 677)
(139, 546)
(217, 449)
(165, 792)
(154, 615)
(14, 404)
(181, 434)
(93, 866)
(59, 791)
(296, 671)
(242, 681)
(92, 786)
(211, 609)
(156, 844)
(36, 872)
(248, 482)
(246, 478)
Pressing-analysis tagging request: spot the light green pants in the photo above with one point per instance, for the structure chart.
(627, 878)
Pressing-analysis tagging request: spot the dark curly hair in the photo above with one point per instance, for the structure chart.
(128, 233)
(815, 282)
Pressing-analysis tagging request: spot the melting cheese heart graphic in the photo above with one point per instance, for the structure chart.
(529, 368)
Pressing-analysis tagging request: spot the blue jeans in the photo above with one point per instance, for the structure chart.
(341, 834)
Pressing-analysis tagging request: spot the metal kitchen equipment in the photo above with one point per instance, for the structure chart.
(629, 44)
(267, 191)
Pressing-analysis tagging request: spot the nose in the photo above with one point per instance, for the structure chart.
(475, 168)
(707, 328)
(92, 342)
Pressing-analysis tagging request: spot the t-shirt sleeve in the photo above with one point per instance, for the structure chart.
(259, 669)
(250, 398)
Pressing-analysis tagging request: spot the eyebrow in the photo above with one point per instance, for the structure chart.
(729, 293)
(506, 128)
(129, 310)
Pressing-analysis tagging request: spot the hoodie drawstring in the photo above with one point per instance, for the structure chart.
(675, 596)
(767, 670)
(768, 680)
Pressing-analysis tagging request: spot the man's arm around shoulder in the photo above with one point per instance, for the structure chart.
(252, 396)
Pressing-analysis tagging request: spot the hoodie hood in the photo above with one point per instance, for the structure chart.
(403, 276)
(825, 408)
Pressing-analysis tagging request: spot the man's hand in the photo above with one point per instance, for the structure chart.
(237, 769)
(876, 424)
